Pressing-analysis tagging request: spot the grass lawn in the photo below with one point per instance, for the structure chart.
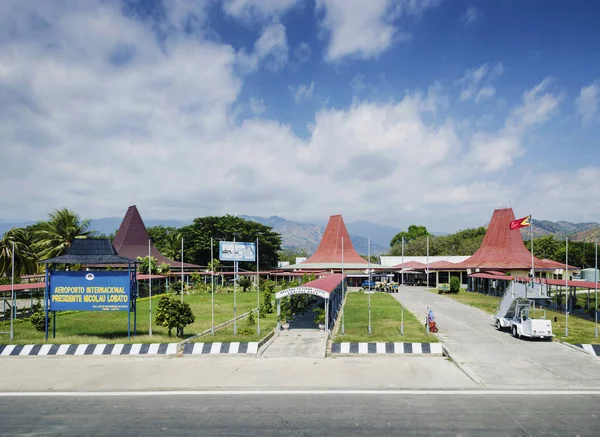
(385, 321)
(245, 332)
(478, 300)
(111, 327)
(581, 330)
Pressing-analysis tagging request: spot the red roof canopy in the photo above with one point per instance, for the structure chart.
(415, 265)
(22, 287)
(132, 239)
(502, 248)
(326, 283)
(330, 247)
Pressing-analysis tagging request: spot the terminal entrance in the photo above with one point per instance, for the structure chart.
(306, 335)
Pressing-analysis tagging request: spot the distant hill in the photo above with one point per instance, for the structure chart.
(560, 229)
(587, 235)
(306, 236)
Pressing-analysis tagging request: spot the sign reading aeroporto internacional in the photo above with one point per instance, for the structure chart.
(90, 291)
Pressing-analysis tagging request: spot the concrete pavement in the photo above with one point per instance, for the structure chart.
(203, 372)
(495, 359)
(307, 343)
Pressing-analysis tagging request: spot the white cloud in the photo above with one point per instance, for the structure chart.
(471, 15)
(365, 29)
(587, 102)
(271, 48)
(302, 52)
(257, 106)
(302, 91)
(248, 9)
(159, 128)
(473, 82)
(494, 151)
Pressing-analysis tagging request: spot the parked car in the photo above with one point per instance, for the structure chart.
(365, 284)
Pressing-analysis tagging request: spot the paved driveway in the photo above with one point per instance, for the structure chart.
(496, 359)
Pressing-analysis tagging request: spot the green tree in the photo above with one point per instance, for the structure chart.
(144, 265)
(414, 232)
(167, 239)
(54, 236)
(25, 259)
(172, 313)
(197, 237)
(214, 265)
(546, 247)
(245, 282)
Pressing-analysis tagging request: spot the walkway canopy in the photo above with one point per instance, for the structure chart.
(322, 287)
(330, 288)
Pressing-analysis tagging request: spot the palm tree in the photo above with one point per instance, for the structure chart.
(25, 259)
(172, 244)
(54, 236)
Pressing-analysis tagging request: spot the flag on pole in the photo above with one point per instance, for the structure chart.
(520, 223)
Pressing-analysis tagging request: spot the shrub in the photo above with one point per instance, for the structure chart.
(245, 282)
(267, 304)
(172, 313)
(319, 316)
(454, 284)
(38, 320)
(250, 320)
(175, 287)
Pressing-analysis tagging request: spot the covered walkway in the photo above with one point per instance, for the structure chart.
(329, 288)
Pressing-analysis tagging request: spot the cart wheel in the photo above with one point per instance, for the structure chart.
(514, 332)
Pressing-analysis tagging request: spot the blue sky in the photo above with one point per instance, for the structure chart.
(395, 111)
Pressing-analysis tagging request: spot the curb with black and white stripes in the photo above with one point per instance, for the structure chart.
(592, 349)
(386, 348)
(12, 350)
(220, 348)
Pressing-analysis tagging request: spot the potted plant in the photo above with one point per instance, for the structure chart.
(320, 318)
(283, 320)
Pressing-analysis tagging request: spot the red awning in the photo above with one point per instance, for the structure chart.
(22, 287)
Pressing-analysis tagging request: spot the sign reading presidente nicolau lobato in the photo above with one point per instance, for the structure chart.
(90, 291)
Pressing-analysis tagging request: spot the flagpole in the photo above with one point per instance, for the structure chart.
(343, 286)
(401, 286)
(234, 289)
(596, 278)
(427, 274)
(181, 269)
(150, 285)
(369, 256)
(257, 291)
(12, 292)
(532, 264)
(567, 287)
(212, 288)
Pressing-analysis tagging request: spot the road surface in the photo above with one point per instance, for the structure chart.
(294, 414)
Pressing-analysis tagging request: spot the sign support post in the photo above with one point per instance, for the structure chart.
(46, 292)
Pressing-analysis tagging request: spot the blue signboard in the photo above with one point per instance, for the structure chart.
(90, 291)
(237, 251)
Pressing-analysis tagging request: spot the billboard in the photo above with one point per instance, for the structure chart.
(90, 291)
(243, 251)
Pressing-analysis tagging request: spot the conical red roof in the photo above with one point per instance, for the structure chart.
(330, 247)
(132, 238)
(502, 248)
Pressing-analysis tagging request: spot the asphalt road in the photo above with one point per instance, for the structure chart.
(353, 414)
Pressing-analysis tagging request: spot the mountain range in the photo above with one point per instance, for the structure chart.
(305, 237)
